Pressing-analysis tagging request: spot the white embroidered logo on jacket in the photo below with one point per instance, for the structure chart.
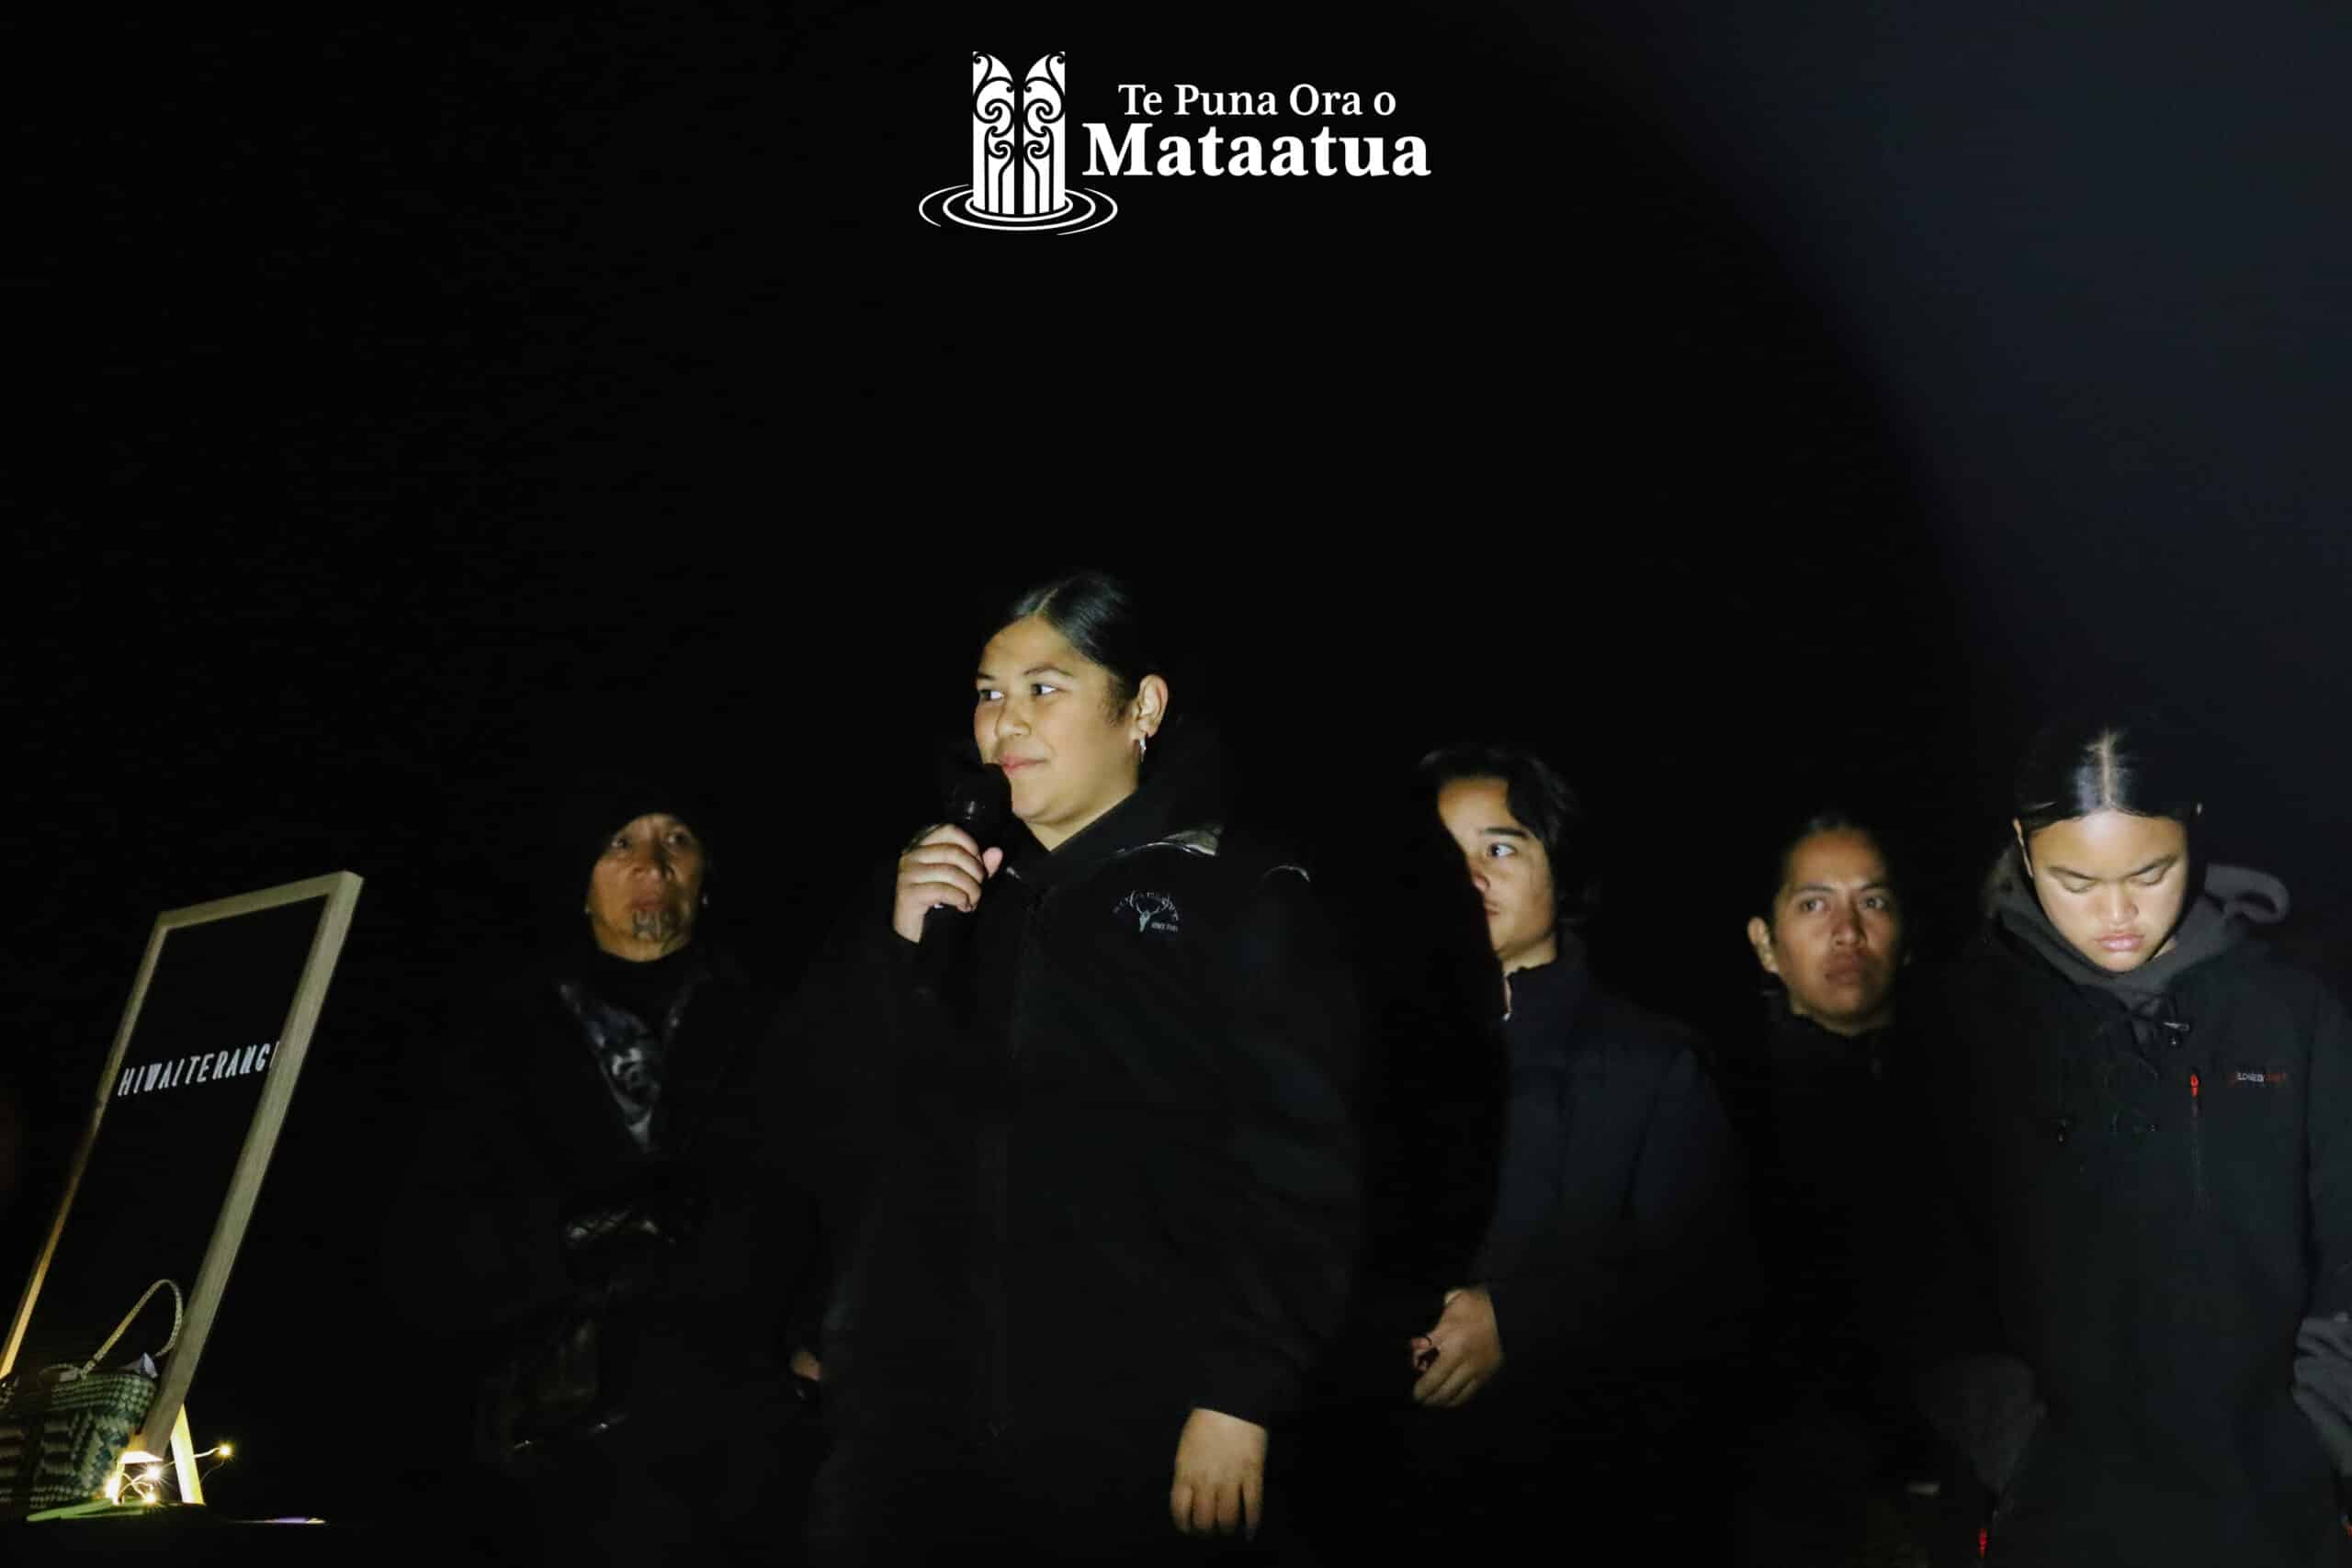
(1150, 911)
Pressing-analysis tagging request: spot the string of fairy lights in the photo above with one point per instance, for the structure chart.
(138, 1478)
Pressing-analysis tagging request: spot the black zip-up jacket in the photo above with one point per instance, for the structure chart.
(1831, 1125)
(2159, 1176)
(1620, 1247)
(1115, 1177)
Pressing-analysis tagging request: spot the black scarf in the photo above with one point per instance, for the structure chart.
(629, 1014)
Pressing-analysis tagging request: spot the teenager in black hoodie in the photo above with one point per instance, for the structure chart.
(1106, 1227)
(2151, 1122)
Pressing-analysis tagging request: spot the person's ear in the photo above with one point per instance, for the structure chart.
(1759, 937)
(1150, 705)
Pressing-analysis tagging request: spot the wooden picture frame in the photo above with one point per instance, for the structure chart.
(280, 1063)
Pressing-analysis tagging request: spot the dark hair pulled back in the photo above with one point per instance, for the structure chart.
(2136, 763)
(1101, 616)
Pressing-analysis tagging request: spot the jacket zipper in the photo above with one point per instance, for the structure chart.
(2197, 1138)
(996, 1179)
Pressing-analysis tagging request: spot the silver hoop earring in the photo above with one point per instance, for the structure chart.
(1143, 746)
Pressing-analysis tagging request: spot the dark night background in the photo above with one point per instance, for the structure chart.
(419, 405)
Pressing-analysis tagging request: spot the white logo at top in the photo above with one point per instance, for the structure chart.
(1150, 911)
(1018, 158)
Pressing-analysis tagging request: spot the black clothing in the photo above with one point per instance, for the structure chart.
(1119, 1183)
(1853, 1216)
(595, 1227)
(628, 1019)
(1852, 1222)
(1618, 1308)
(1613, 1253)
(2158, 1169)
(1432, 1106)
(1623, 1231)
(1831, 1138)
(617, 1090)
(1536, 1115)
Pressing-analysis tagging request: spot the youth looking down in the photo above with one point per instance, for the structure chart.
(2112, 883)
(2144, 1108)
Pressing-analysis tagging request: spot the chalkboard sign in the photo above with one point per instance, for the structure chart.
(187, 1112)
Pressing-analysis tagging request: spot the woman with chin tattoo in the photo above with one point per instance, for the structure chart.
(592, 1227)
(2149, 1117)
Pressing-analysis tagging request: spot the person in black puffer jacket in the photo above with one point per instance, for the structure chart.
(1573, 1365)
(1102, 1232)
(2149, 1118)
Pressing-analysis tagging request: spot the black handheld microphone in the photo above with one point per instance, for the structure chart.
(981, 804)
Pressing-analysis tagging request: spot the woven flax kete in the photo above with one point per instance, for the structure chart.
(63, 1428)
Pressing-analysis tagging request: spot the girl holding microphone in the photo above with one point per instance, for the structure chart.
(1113, 1199)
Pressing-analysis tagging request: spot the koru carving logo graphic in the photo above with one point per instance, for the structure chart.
(1019, 159)
(1150, 912)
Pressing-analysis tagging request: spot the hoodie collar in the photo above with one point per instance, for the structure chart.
(2234, 900)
